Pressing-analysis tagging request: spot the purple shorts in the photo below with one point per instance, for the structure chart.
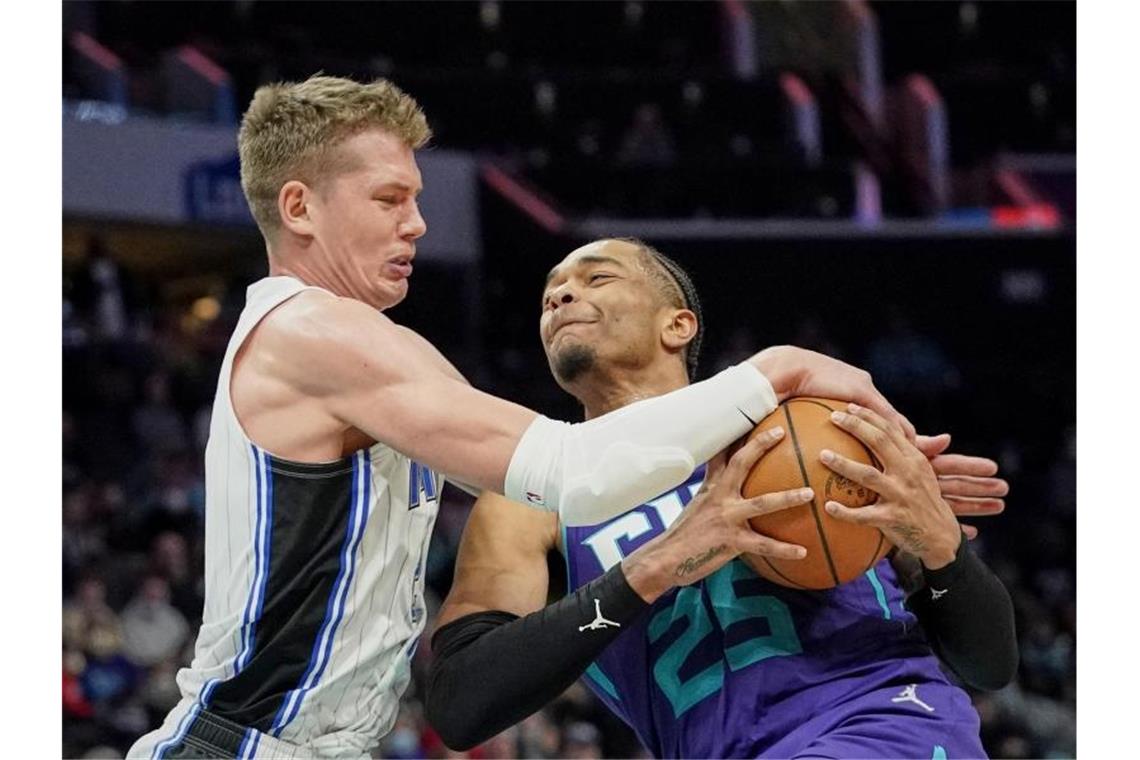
(931, 720)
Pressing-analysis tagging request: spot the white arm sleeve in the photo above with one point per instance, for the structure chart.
(592, 471)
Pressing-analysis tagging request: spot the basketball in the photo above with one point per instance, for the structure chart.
(837, 551)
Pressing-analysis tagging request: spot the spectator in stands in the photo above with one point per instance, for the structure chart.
(539, 737)
(582, 741)
(153, 630)
(98, 293)
(86, 612)
(156, 424)
(170, 559)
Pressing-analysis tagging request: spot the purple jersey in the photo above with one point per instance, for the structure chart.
(737, 666)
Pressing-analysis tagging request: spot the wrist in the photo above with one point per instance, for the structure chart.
(942, 564)
(647, 571)
(783, 375)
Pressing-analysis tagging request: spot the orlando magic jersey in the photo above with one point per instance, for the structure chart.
(313, 589)
(737, 666)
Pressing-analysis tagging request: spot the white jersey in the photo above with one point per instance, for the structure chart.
(314, 583)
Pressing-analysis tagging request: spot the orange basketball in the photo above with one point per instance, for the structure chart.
(837, 551)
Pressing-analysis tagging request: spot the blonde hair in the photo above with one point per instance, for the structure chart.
(291, 131)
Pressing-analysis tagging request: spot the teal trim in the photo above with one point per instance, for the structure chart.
(598, 676)
(880, 594)
(566, 560)
(939, 753)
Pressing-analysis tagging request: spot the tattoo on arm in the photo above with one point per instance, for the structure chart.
(912, 539)
(691, 564)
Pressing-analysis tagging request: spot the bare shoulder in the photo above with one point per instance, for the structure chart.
(318, 341)
(315, 318)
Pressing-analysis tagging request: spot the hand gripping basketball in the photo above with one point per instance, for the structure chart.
(910, 511)
(714, 528)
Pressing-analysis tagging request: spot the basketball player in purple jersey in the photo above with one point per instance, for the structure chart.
(700, 656)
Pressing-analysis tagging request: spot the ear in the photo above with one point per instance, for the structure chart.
(293, 207)
(679, 330)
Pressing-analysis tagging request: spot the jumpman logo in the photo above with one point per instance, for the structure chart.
(936, 594)
(908, 695)
(599, 621)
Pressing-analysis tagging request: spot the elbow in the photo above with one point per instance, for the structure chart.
(996, 674)
(457, 725)
(1006, 670)
(447, 723)
(456, 738)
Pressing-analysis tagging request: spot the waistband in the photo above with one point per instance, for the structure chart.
(229, 739)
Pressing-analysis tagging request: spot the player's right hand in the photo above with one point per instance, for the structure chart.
(796, 371)
(714, 528)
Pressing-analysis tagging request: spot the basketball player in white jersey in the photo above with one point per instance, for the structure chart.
(332, 425)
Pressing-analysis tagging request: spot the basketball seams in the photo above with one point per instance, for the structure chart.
(807, 482)
(875, 557)
(788, 580)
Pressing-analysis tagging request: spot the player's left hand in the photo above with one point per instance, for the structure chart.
(910, 511)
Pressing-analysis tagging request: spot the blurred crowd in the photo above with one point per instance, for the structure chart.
(139, 379)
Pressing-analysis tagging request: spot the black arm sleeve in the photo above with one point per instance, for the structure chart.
(492, 669)
(968, 617)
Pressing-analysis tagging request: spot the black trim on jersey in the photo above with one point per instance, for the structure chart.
(310, 506)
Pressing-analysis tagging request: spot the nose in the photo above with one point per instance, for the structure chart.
(561, 296)
(413, 226)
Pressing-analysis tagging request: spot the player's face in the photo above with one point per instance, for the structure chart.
(600, 311)
(366, 219)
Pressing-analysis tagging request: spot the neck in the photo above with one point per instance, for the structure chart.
(307, 269)
(601, 395)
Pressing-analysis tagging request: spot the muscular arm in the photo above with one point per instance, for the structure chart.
(348, 366)
(502, 560)
(965, 609)
(491, 667)
(968, 616)
(351, 367)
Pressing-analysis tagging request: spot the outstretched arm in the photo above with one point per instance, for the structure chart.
(367, 373)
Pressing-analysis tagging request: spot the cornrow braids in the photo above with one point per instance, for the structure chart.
(691, 302)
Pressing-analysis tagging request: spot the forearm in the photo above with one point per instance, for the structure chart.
(968, 616)
(596, 470)
(493, 669)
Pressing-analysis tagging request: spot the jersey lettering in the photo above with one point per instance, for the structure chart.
(421, 480)
(729, 608)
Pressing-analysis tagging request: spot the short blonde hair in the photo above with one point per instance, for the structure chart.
(291, 130)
